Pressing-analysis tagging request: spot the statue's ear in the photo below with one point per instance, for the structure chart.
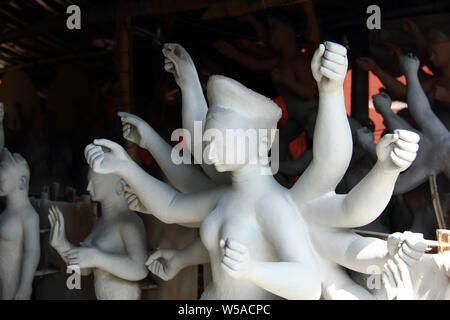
(120, 187)
(23, 183)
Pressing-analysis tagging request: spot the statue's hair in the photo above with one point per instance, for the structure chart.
(232, 95)
(16, 160)
(20, 161)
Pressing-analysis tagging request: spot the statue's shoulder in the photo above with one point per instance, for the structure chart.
(29, 215)
(130, 221)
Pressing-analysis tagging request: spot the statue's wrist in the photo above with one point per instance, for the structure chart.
(124, 167)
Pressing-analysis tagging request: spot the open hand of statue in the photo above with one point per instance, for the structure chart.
(397, 280)
(178, 62)
(409, 63)
(82, 257)
(236, 259)
(134, 203)
(104, 162)
(134, 128)
(164, 263)
(57, 237)
(408, 246)
(382, 102)
(365, 136)
(397, 151)
(329, 66)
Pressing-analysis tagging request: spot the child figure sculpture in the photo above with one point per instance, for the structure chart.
(115, 250)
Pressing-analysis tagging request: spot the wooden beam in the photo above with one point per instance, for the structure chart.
(124, 72)
(232, 8)
(106, 14)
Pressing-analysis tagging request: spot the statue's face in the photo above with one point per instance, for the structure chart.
(101, 186)
(9, 178)
(439, 51)
(230, 143)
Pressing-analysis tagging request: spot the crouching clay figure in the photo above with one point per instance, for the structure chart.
(19, 227)
(116, 248)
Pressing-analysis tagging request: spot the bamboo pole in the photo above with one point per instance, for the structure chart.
(436, 202)
(432, 245)
(123, 68)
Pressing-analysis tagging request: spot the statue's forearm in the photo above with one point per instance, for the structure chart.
(121, 266)
(365, 202)
(290, 280)
(332, 149)
(366, 255)
(393, 121)
(420, 108)
(154, 194)
(194, 108)
(29, 265)
(195, 253)
(179, 175)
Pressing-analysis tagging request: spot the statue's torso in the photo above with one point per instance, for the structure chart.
(11, 251)
(106, 236)
(235, 218)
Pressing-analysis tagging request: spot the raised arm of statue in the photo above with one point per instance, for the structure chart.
(166, 263)
(159, 198)
(180, 175)
(418, 103)
(382, 103)
(129, 266)
(194, 106)
(363, 254)
(31, 254)
(365, 202)
(332, 148)
(296, 275)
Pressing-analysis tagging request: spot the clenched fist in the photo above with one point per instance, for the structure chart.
(329, 66)
(397, 151)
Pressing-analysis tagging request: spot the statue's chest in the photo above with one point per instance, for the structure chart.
(232, 218)
(106, 237)
(10, 226)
